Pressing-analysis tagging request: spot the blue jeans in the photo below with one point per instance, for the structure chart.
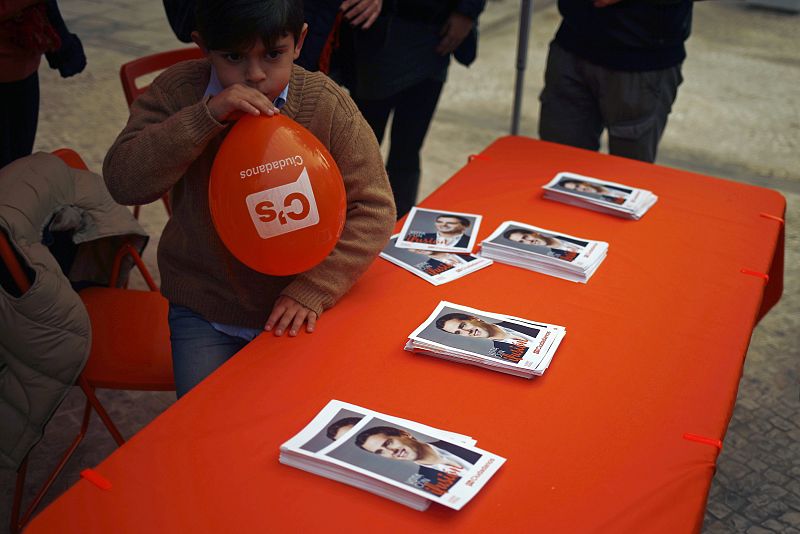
(197, 347)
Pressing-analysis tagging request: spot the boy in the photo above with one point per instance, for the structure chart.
(217, 304)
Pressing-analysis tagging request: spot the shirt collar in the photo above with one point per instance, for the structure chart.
(215, 87)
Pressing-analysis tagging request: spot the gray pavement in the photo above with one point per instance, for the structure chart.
(737, 116)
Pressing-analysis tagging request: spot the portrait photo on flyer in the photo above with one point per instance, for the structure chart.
(461, 332)
(393, 457)
(528, 239)
(433, 266)
(446, 231)
(599, 195)
(592, 188)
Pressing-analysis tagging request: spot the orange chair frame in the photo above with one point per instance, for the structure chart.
(18, 275)
(131, 71)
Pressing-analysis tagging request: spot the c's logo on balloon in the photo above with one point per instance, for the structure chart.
(267, 214)
(284, 209)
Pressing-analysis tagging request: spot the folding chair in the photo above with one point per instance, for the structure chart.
(133, 70)
(130, 347)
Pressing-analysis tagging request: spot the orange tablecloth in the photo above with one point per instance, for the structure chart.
(654, 349)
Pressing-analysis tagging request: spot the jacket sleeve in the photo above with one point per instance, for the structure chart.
(158, 144)
(471, 8)
(370, 216)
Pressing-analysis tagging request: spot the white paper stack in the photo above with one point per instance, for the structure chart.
(498, 342)
(433, 266)
(544, 251)
(599, 195)
(398, 459)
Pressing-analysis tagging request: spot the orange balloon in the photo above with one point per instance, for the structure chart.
(276, 196)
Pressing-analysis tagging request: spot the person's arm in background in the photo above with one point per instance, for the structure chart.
(9, 8)
(459, 25)
(361, 13)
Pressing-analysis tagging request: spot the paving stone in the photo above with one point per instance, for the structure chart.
(716, 527)
(737, 470)
(774, 476)
(791, 518)
(756, 513)
(737, 522)
(734, 501)
(773, 492)
(718, 510)
(774, 525)
(759, 530)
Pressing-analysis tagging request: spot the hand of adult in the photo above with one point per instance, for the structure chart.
(455, 30)
(288, 313)
(361, 13)
(237, 100)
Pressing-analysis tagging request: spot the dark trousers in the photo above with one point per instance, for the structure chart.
(19, 115)
(580, 99)
(413, 110)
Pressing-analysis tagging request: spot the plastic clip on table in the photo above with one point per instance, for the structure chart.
(620, 435)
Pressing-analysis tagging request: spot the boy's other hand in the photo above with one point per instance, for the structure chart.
(455, 30)
(289, 314)
(237, 100)
(361, 13)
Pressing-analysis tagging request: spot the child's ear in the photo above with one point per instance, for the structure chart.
(300, 40)
(198, 40)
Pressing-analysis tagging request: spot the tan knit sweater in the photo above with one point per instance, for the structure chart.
(170, 142)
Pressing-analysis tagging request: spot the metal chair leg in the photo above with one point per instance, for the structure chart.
(92, 398)
(16, 523)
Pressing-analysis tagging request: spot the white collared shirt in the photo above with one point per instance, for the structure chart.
(215, 87)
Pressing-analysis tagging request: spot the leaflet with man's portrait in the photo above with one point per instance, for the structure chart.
(500, 342)
(599, 195)
(396, 458)
(445, 231)
(432, 266)
(529, 239)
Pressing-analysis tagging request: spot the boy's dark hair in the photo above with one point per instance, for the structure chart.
(236, 24)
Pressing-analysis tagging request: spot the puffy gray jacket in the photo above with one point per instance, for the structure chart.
(45, 333)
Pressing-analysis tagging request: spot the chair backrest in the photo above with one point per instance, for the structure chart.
(71, 158)
(131, 71)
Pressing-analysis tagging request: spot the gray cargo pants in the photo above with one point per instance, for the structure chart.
(580, 99)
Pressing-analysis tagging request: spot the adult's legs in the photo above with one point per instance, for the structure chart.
(414, 108)
(197, 348)
(635, 109)
(19, 116)
(569, 113)
(376, 113)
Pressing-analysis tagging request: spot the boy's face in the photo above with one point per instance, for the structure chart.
(265, 69)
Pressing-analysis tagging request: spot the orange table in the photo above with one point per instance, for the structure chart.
(654, 350)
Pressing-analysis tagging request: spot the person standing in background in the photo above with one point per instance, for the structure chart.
(401, 66)
(29, 29)
(615, 65)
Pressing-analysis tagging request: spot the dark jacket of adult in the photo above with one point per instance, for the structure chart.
(631, 35)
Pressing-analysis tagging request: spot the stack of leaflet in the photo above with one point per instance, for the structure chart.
(398, 459)
(544, 251)
(599, 195)
(498, 342)
(433, 266)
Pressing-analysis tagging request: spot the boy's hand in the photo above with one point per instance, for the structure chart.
(237, 100)
(288, 313)
(455, 30)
